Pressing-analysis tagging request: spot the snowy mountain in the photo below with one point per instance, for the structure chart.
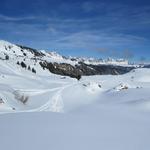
(38, 61)
(108, 108)
(94, 61)
(23, 51)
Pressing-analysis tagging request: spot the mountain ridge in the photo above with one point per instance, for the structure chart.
(57, 64)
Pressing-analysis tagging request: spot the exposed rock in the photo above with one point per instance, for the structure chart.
(83, 69)
(62, 69)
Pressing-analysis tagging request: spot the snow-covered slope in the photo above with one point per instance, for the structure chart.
(12, 50)
(39, 62)
(22, 88)
(17, 51)
(17, 85)
(97, 112)
(92, 128)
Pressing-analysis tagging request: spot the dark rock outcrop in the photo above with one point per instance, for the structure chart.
(61, 69)
(83, 69)
(103, 69)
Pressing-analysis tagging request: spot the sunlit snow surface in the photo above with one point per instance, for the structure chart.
(95, 113)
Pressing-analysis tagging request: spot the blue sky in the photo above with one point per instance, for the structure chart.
(97, 28)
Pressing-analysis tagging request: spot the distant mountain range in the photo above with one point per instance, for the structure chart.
(37, 61)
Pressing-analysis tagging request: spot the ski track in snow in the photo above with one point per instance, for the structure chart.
(55, 103)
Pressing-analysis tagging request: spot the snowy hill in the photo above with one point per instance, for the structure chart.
(39, 61)
(7, 48)
(108, 110)
(27, 75)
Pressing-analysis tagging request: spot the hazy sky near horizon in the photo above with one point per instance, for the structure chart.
(96, 28)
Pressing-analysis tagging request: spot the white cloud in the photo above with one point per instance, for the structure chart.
(9, 18)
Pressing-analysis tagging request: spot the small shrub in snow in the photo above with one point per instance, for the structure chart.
(7, 57)
(13, 108)
(5, 48)
(18, 63)
(21, 97)
(29, 68)
(24, 54)
(99, 86)
(23, 65)
(85, 85)
(10, 47)
(1, 101)
(78, 77)
(33, 70)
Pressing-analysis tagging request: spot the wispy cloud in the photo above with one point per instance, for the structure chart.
(13, 19)
(123, 53)
(104, 28)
